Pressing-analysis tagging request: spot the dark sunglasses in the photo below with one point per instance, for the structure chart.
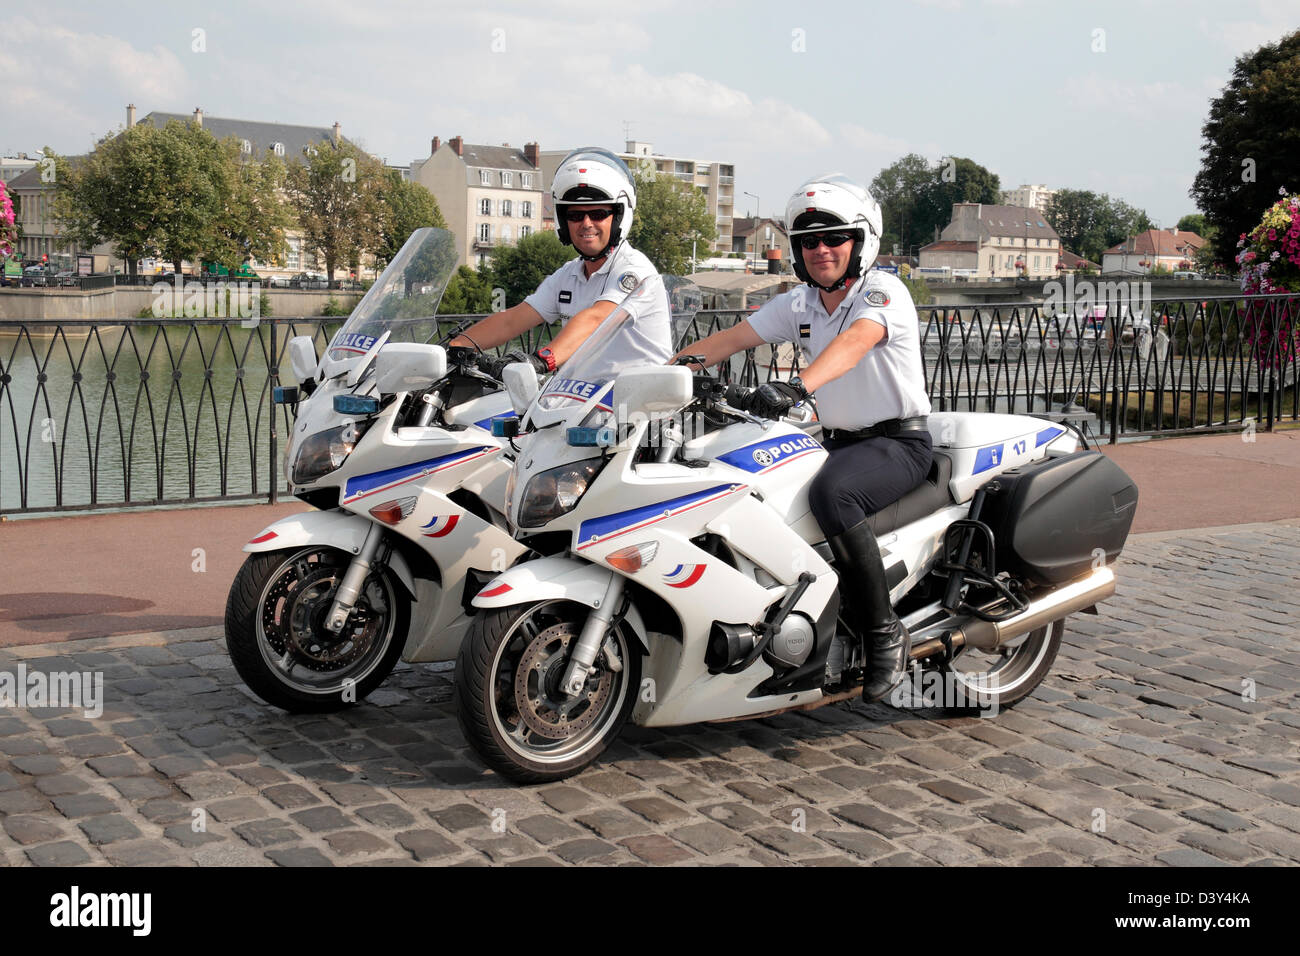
(833, 240)
(595, 215)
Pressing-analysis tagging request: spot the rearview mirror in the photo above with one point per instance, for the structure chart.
(302, 357)
(521, 383)
(409, 366)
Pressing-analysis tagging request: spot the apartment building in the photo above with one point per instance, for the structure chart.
(716, 180)
(1034, 196)
(995, 241)
(489, 195)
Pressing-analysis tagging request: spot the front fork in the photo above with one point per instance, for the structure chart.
(591, 639)
(355, 576)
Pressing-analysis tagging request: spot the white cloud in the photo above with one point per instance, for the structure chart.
(1273, 20)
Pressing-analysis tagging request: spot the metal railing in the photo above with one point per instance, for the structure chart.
(142, 413)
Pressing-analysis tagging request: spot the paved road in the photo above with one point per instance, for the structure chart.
(1168, 733)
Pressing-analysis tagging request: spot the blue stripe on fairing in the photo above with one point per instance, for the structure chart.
(363, 483)
(673, 571)
(987, 458)
(743, 458)
(609, 523)
(1046, 435)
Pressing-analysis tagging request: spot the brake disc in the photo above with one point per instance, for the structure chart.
(543, 707)
(302, 623)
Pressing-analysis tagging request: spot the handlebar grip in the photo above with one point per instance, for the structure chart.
(736, 395)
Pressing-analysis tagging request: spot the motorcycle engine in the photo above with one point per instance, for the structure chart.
(792, 646)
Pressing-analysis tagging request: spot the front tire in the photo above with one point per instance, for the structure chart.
(277, 640)
(507, 691)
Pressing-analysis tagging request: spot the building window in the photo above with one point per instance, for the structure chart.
(294, 259)
(527, 180)
(526, 209)
(507, 179)
(485, 207)
(482, 259)
(277, 148)
(484, 177)
(1035, 263)
(485, 232)
(506, 207)
(505, 234)
(525, 232)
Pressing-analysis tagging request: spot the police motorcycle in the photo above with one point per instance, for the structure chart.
(392, 444)
(688, 581)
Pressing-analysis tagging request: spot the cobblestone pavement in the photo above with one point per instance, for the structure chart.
(1167, 733)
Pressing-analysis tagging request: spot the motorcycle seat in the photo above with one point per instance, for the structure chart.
(927, 497)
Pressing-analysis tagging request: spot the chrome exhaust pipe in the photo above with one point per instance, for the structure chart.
(1083, 592)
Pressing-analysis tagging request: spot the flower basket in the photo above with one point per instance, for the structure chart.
(1270, 265)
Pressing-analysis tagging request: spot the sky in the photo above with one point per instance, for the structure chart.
(1107, 96)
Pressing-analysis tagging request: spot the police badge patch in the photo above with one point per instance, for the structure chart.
(566, 296)
(627, 281)
(878, 298)
(805, 329)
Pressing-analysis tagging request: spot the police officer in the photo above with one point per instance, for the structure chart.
(860, 329)
(594, 200)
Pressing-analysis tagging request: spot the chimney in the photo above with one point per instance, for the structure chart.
(433, 146)
(533, 154)
(130, 115)
(198, 116)
(458, 144)
(1175, 230)
(338, 133)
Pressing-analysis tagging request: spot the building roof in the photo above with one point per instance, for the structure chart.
(262, 136)
(1158, 242)
(745, 225)
(951, 245)
(496, 157)
(989, 220)
(1070, 261)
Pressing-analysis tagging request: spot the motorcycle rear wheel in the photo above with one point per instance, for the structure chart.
(277, 640)
(997, 680)
(507, 695)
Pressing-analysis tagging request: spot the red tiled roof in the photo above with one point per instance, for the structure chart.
(1158, 242)
(951, 245)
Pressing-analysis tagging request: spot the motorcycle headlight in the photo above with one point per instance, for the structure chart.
(556, 491)
(324, 452)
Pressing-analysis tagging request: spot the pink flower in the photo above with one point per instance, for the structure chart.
(1272, 235)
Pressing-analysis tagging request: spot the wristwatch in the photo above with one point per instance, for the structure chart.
(547, 356)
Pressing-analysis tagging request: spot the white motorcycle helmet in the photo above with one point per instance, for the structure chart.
(831, 201)
(593, 175)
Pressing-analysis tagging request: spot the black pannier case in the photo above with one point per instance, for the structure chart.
(1049, 517)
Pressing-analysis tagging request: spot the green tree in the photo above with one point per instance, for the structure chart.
(336, 197)
(1192, 222)
(1250, 142)
(897, 188)
(1089, 223)
(670, 217)
(520, 269)
(404, 208)
(468, 293)
(952, 180)
(175, 192)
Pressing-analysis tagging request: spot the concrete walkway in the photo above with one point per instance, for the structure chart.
(81, 576)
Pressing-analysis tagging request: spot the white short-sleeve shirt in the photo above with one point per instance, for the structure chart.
(647, 340)
(889, 381)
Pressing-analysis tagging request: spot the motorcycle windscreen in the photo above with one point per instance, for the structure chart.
(404, 299)
(596, 362)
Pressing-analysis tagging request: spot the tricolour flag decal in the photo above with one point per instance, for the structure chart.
(599, 530)
(439, 526)
(684, 575)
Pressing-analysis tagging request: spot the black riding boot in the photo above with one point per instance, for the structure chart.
(885, 640)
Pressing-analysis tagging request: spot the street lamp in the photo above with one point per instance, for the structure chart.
(758, 212)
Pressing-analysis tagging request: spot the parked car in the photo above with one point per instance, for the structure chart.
(278, 282)
(309, 280)
(66, 277)
(36, 275)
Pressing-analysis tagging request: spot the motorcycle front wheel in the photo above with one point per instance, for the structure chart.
(508, 699)
(276, 635)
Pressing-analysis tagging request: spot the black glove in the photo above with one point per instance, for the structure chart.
(774, 399)
(498, 365)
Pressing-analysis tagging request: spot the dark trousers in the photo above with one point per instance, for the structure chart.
(861, 477)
